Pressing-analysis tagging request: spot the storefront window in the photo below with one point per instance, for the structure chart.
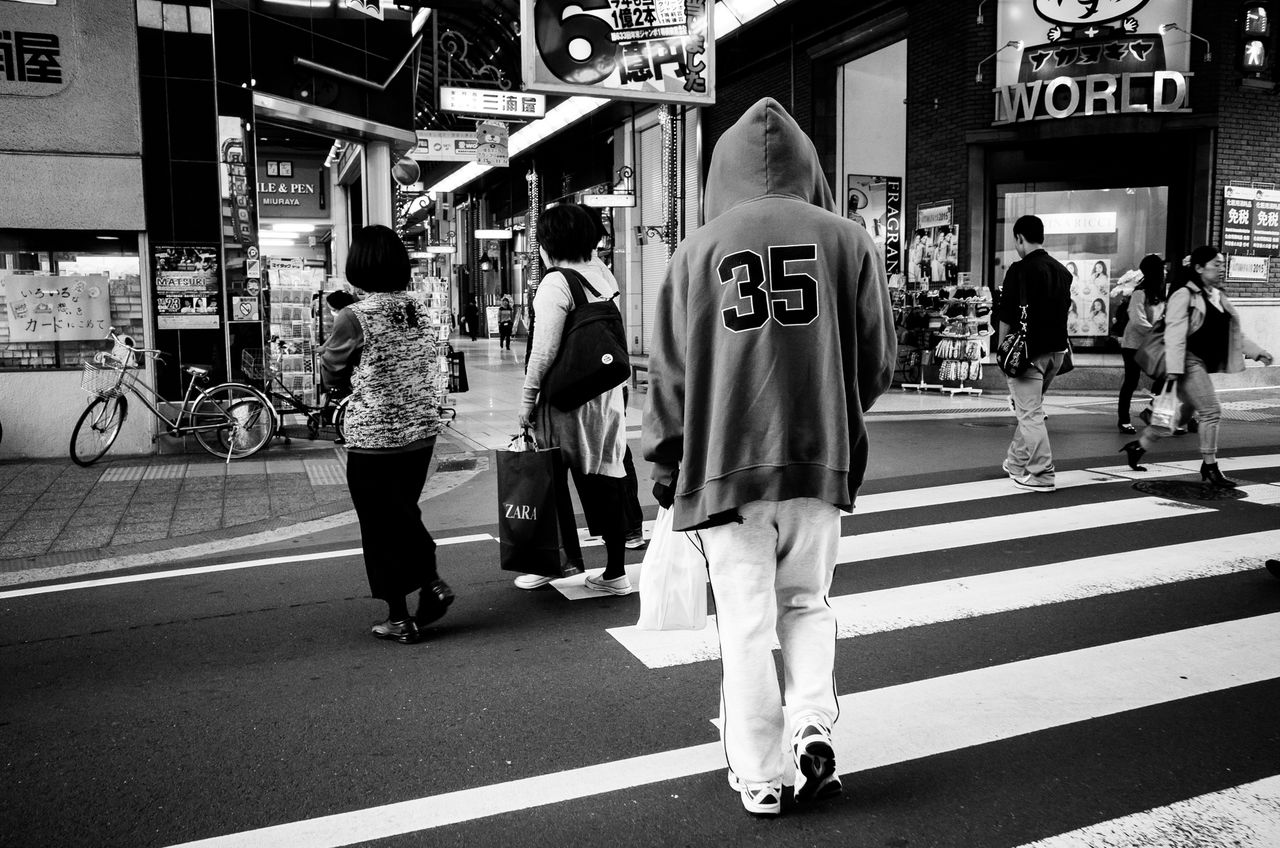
(60, 292)
(1100, 235)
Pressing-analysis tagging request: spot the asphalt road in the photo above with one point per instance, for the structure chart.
(1016, 667)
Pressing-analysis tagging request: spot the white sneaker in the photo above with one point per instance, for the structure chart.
(616, 586)
(1013, 473)
(1031, 484)
(815, 760)
(759, 799)
(636, 542)
(532, 581)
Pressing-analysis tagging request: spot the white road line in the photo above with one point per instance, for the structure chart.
(877, 728)
(1156, 469)
(965, 492)
(1267, 494)
(1001, 528)
(212, 569)
(1245, 816)
(886, 610)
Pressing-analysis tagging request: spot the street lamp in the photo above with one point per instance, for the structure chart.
(1017, 44)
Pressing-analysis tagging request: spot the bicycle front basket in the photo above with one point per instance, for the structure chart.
(255, 365)
(102, 381)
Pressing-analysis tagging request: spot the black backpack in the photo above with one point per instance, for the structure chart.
(593, 354)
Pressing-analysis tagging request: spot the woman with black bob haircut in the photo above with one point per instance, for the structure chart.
(592, 438)
(1146, 307)
(386, 352)
(1202, 336)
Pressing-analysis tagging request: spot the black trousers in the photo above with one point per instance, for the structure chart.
(631, 495)
(504, 334)
(1132, 374)
(399, 553)
(602, 504)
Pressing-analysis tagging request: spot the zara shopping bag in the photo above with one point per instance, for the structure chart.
(527, 528)
(673, 580)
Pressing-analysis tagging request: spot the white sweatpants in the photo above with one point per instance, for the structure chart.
(770, 577)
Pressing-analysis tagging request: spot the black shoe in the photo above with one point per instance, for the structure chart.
(1133, 452)
(572, 567)
(404, 632)
(433, 602)
(1211, 475)
(1193, 426)
(1273, 565)
(1127, 428)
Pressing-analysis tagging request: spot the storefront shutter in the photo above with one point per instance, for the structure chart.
(692, 196)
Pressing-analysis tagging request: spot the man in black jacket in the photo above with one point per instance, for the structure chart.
(1039, 281)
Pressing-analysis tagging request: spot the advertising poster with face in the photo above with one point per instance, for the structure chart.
(933, 257)
(876, 204)
(186, 287)
(1090, 311)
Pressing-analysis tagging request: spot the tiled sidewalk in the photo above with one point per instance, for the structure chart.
(51, 507)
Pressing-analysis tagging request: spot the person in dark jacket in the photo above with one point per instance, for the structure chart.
(773, 335)
(1045, 285)
(1146, 307)
(471, 316)
(387, 353)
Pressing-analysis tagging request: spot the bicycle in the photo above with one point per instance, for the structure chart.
(265, 372)
(229, 420)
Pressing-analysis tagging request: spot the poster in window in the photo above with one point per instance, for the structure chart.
(876, 203)
(187, 287)
(48, 308)
(933, 256)
(1089, 313)
(657, 50)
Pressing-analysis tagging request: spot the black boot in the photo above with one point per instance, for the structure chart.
(433, 602)
(1210, 474)
(1133, 452)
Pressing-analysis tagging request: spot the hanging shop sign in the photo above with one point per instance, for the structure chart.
(445, 146)
(1077, 58)
(289, 185)
(876, 204)
(187, 293)
(491, 144)
(493, 102)
(48, 308)
(659, 50)
(35, 49)
(1251, 221)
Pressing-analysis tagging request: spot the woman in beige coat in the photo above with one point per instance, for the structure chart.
(1202, 336)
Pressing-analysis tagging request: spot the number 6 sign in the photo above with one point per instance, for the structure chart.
(659, 51)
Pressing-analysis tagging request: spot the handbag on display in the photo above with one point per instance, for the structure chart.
(593, 354)
(1150, 357)
(673, 580)
(1165, 407)
(528, 530)
(1012, 355)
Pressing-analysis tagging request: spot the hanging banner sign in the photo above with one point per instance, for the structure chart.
(444, 146)
(186, 287)
(876, 204)
(1251, 221)
(658, 50)
(48, 308)
(491, 144)
(1060, 59)
(493, 102)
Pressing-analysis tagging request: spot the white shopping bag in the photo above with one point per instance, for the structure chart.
(673, 580)
(1165, 408)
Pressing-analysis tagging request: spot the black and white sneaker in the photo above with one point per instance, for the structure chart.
(759, 799)
(815, 760)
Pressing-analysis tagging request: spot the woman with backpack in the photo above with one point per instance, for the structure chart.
(593, 437)
(1146, 307)
(1202, 336)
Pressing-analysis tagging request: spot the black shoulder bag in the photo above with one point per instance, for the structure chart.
(593, 354)
(1012, 356)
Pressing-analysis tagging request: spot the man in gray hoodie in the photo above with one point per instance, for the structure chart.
(773, 335)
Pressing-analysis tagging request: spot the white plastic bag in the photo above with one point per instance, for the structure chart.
(673, 580)
(1165, 408)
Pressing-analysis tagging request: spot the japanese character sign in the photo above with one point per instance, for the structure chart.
(657, 50)
(45, 308)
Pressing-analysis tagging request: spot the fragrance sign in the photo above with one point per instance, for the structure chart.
(659, 50)
(1078, 58)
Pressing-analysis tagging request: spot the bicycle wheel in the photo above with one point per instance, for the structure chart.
(339, 419)
(97, 429)
(233, 420)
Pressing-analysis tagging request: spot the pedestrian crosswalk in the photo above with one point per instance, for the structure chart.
(1042, 616)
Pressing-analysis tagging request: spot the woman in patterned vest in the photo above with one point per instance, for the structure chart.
(388, 353)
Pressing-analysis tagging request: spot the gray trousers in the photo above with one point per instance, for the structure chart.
(1195, 389)
(1029, 451)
